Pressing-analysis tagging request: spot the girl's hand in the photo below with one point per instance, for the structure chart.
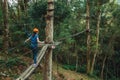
(53, 47)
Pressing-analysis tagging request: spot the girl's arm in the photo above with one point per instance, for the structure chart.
(41, 42)
(27, 40)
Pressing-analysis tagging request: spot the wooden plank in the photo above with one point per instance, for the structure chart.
(33, 68)
(30, 69)
(45, 47)
(41, 56)
(55, 43)
(24, 74)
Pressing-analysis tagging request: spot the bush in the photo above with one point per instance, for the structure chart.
(82, 69)
(69, 67)
(14, 62)
(1, 43)
(2, 63)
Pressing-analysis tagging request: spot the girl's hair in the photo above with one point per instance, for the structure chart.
(34, 33)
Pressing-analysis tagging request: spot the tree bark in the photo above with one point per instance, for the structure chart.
(19, 10)
(76, 62)
(1, 7)
(97, 39)
(1, 3)
(88, 34)
(25, 7)
(49, 39)
(6, 27)
(103, 65)
(68, 2)
(34, 1)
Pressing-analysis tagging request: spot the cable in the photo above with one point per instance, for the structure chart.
(73, 35)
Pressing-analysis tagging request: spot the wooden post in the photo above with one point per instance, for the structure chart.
(49, 39)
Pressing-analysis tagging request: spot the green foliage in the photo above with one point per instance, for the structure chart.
(16, 34)
(1, 42)
(114, 78)
(61, 12)
(11, 62)
(82, 69)
(14, 62)
(38, 77)
(39, 9)
(0, 15)
(116, 16)
(70, 19)
(2, 62)
(69, 67)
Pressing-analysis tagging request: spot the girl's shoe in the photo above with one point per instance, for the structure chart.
(34, 65)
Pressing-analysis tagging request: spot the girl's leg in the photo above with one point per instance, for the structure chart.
(35, 55)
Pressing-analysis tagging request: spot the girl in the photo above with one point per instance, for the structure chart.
(34, 40)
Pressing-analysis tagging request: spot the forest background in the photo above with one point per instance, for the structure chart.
(95, 51)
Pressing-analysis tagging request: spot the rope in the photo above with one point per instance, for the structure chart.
(73, 35)
(11, 49)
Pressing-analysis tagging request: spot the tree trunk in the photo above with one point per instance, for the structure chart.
(106, 77)
(34, 1)
(1, 3)
(6, 27)
(76, 62)
(117, 71)
(49, 39)
(103, 65)
(25, 7)
(97, 39)
(68, 2)
(1, 22)
(19, 10)
(48, 65)
(88, 34)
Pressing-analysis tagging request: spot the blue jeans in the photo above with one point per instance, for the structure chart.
(35, 51)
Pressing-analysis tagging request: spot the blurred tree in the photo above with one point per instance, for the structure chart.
(6, 26)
